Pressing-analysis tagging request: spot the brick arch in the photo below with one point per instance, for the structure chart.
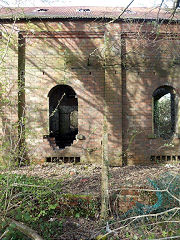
(64, 87)
(154, 87)
(163, 90)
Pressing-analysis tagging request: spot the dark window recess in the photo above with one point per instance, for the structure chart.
(164, 112)
(42, 10)
(83, 10)
(63, 159)
(63, 115)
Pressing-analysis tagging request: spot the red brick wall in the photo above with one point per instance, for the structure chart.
(98, 62)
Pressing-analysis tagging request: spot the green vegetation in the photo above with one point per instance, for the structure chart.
(40, 205)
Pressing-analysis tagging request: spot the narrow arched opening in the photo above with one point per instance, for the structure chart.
(164, 111)
(63, 115)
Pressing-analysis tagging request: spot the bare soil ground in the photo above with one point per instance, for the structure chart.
(86, 178)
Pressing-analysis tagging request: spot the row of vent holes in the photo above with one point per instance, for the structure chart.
(63, 159)
(164, 158)
(78, 10)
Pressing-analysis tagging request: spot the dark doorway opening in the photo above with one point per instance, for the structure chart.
(63, 115)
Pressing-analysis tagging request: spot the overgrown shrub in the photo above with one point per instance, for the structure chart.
(40, 204)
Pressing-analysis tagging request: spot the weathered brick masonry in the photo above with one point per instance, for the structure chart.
(121, 62)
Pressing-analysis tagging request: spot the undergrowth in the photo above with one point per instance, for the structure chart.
(40, 204)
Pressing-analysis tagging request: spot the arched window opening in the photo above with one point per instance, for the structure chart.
(63, 115)
(164, 112)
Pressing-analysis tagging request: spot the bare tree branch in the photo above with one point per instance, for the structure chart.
(24, 229)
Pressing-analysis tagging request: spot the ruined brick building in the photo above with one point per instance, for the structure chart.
(63, 69)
